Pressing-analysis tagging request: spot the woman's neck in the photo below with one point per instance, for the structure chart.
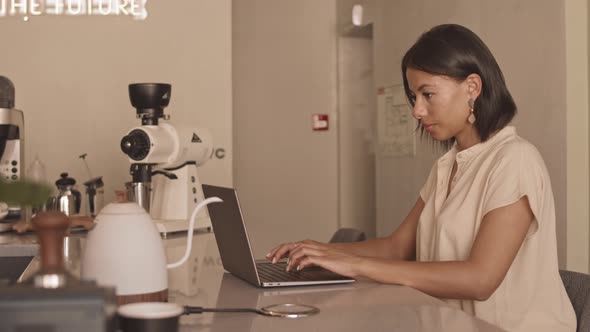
(467, 138)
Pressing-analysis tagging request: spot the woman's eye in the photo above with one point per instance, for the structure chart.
(428, 95)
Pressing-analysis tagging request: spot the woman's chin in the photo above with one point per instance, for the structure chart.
(440, 137)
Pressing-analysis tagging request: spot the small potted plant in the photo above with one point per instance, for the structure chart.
(26, 194)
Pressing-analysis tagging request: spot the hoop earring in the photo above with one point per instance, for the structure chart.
(471, 118)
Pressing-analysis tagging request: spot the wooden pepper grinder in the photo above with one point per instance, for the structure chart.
(51, 227)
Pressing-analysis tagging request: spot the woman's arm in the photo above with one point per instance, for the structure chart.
(500, 236)
(399, 245)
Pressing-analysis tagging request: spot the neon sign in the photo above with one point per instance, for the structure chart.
(31, 8)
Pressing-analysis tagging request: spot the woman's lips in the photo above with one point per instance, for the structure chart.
(428, 127)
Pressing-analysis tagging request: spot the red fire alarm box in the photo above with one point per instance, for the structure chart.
(320, 122)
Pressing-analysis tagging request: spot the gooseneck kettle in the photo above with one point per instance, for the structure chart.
(125, 250)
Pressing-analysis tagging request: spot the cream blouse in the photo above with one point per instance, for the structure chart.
(490, 175)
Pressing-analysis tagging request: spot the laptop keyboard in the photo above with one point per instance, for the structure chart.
(269, 272)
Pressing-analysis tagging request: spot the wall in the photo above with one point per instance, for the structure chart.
(71, 76)
(578, 171)
(358, 114)
(356, 121)
(284, 71)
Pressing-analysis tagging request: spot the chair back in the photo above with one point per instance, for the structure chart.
(577, 286)
(348, 235)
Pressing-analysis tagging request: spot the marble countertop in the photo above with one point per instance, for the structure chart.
(202, 281)
(13, 244)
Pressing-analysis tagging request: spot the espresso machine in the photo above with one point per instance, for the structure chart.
(12, 153)
(164, 160)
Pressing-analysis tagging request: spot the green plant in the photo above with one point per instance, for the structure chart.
(24, 192)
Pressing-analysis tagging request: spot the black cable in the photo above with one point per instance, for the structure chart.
(199, 310)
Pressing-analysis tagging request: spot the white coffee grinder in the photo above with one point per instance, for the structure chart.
(164, 160)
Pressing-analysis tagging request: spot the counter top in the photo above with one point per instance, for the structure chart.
(12, 244)
(363, 305)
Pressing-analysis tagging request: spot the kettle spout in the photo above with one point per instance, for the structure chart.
(189, 240)
(198, 208)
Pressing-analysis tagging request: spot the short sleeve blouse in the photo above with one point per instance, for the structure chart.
(490, 175)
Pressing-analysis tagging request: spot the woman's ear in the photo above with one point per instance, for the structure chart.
(474, 84)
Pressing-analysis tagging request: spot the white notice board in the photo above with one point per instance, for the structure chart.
(395, 124)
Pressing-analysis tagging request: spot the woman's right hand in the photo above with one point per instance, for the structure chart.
(312, 253)
(283, 250)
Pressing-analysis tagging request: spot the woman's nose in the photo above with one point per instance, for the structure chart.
(418, 112)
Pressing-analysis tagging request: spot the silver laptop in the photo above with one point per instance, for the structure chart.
(236, 253)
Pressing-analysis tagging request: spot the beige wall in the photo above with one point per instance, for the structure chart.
(356, 122)
(285, 71)
(576, 14)
(71, 76)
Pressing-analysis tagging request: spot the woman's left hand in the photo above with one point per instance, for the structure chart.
(310, 253)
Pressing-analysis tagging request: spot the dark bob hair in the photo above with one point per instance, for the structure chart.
(454, 51)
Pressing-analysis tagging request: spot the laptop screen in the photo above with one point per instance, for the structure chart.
(230, 233)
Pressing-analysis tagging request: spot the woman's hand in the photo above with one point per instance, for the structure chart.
(308, 253)
(283, 250)
(335, 260)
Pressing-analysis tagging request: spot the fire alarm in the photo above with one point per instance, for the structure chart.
(320, 122)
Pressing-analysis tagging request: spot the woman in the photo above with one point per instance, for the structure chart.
(482, 232)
